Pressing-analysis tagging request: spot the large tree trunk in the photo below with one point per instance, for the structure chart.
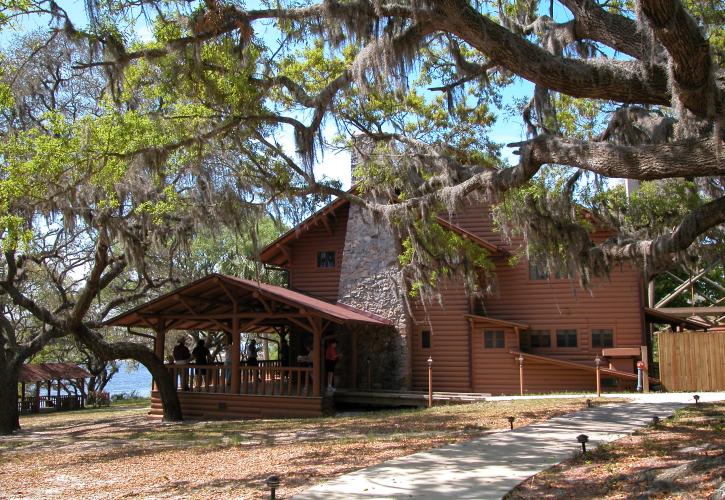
(9, 419)
(129, 350)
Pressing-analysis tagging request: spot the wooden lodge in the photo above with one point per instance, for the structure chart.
(539, 333)
(43, 375)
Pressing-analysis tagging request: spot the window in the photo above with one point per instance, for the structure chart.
(540, 338)
(425, 339)
(566, 338)
(325, 260)
(602, 337)
(494, 339)
(539, 271)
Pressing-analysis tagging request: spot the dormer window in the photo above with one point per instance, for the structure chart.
(325, 260)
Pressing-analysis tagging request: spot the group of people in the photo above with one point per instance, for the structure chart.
(202, 356)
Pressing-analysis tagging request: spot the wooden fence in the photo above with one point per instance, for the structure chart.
(692, 361)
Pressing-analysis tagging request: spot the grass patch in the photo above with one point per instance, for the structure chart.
(90, 447)
(682, 457)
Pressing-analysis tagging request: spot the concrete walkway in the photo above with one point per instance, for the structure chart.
(490, 466)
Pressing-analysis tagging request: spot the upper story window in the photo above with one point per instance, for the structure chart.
(539, 271)
(539, 338)
(494, 339)
(425, 339)
(566, 338)
(325, 260)
(602, 337)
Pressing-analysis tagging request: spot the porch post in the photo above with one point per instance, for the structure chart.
(159, 344)
(236, 352)
(22, 396)
(316, 358)
(36, 404)
(354, 359)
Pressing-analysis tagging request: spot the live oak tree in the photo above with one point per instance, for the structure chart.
(189, 117)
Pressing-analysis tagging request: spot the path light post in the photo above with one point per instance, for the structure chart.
(696, 397)
(430, 382)
(640, 373)
(511, 421)
(589, 403)
(521, 373)
(272, 484)
(655, 421)
(583, 438)
(597, 363)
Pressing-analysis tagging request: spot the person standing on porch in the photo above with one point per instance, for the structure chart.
(181, 357)
(331, 357)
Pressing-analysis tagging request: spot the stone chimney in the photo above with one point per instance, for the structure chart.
(371, 279)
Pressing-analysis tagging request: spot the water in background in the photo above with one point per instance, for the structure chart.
(137, 380)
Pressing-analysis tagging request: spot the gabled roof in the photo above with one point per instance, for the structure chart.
(211, 302)
(277, 247)
(41, 372)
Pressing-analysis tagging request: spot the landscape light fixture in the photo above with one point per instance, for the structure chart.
(583, 439)
(272, 484)
(597, 360)
(511, 421)
(589, 403)
(655, 420)
(696, 397)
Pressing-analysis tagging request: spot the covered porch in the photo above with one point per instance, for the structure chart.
(290, 385)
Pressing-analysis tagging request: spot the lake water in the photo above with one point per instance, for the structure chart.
(127, 380)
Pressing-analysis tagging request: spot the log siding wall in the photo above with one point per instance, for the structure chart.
(303, 272)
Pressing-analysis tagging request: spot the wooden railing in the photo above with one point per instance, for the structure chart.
(254, 380)
(31, 404)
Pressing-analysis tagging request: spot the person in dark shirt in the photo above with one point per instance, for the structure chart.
(181, 357)
(201, 356)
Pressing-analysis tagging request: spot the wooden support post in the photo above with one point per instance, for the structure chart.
(353, 361)
(36, 404)
(236, 352)
(430, 382)
(645, 372)
(316, 358)
(22, 395)
(50, 389)
(159, 345)
(521, 374)
(598, 362)
(57, 390)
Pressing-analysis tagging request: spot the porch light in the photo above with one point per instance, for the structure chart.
(272, 484)
(655, 421)
(583, 439)
(696, 397)
(511, 421)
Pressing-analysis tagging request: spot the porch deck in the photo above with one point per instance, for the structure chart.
(206, 391)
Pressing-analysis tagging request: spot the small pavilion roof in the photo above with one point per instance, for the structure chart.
(658, 316)
(41, 372)
(210, 303)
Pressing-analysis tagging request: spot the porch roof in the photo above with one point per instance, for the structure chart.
(657, 316)
(487, 320)
(212, 302)
(41, 372)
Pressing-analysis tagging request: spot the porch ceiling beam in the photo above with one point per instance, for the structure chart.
(229, 315)
(226, 290)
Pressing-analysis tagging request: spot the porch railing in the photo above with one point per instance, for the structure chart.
(253, 380)
(31, 404)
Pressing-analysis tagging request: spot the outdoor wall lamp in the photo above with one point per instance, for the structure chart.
(583, 439)
(272, 484)
(511, 421)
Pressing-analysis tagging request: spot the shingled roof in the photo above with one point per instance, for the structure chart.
(41, 372)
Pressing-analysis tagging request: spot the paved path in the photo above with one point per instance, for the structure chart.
(488, 467)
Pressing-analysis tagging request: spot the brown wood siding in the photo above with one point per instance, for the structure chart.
(449, 342)
(692, 361)
(304, 274)
(219, 406)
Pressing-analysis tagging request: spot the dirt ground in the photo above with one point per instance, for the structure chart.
(682, 458)
(121, 452)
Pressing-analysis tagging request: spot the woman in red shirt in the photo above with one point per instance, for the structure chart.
(331, 357)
